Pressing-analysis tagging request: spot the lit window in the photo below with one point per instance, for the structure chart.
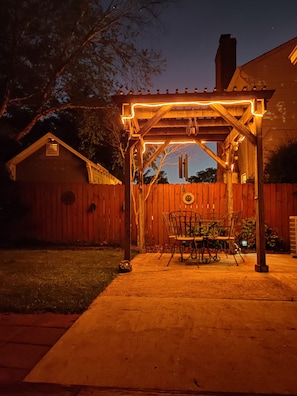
(243, 178)
(293, 56)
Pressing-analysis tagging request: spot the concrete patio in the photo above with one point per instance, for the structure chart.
(217, 328)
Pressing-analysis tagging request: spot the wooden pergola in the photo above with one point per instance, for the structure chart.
(223, 117)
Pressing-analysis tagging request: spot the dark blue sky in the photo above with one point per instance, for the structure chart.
(190, 30)
(189, 34)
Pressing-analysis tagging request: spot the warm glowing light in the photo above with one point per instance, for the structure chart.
(194, 103)
(293, 56)
(241, 139)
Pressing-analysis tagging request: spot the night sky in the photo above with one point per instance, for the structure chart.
(189, 33)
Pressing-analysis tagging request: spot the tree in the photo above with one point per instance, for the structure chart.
(156, 158)
(209, 175)
(99, 133)
(62, 55)
(161, 178)
(282, 163)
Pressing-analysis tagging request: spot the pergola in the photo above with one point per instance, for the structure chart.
(199, 117)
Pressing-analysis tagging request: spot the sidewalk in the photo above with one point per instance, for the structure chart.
(25, 339)
(219, 329)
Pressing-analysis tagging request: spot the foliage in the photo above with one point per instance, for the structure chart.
(161, 178)
(282, 164)
(11, 207)
(59, 56)
(60, 281)
(99, 133)
(248, 234)
(209, 175)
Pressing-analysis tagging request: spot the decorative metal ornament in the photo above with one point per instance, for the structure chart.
(68, 198)
(188, 198)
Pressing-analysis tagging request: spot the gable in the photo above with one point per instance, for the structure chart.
(272, 70)
(63, 168)
(50, 159)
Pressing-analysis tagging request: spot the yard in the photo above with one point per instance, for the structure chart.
(54, 280)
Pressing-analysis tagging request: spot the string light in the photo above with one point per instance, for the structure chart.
(194, 103)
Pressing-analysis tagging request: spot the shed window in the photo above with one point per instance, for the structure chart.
(52, 149)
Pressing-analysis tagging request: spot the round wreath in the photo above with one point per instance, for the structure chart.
(188, 198)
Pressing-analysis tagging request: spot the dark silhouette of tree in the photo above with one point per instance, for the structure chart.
(62, 55)
(209, 175)
(282, 164)
(161, 179)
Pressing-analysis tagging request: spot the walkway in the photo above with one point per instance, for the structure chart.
(217, 328)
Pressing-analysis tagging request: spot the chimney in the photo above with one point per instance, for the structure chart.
(225, 61)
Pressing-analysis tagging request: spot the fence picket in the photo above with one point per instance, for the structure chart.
(50, 220)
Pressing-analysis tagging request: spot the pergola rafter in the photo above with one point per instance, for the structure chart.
(222, 117)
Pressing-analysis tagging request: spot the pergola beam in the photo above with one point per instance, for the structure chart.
(247, 116)
(208, 151)
(154, 120)
(238, 125)
(184, 114)
(156, 154)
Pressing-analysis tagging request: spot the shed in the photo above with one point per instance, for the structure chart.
(50, 160)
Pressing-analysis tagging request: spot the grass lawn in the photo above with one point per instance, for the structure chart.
(60, 281)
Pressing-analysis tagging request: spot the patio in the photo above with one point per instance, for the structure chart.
(217, 328)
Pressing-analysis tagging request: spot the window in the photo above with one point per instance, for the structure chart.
(52, 149)
(243, 178)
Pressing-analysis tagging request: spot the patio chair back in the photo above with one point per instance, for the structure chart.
(231, 221)
(185, 224)
(168, 224)
(227, 234)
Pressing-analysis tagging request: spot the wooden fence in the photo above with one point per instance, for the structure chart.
(94, 214)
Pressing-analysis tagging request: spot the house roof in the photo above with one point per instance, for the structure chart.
(290, 47)
(91, 166)
(290, 44)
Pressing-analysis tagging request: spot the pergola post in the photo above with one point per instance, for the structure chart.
(141, 228)
(229, 191)
(127, 181)
(260, 266)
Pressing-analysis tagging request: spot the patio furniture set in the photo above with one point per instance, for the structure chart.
(202, 237)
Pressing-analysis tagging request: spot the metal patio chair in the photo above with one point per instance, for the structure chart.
(224, 236)
(169, 230)
(186, 229)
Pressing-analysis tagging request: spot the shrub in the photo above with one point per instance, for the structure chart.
(248, 234)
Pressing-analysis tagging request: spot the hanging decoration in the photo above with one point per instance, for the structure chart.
(188, 198)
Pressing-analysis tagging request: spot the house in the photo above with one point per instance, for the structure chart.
(50, 160)
(277, 70)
